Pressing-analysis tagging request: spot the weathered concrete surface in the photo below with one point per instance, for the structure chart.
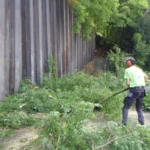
(18, 44)
(31, 30)
(2, 48)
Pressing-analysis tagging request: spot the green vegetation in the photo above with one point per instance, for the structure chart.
(121, 23)
(102, 16)
(117, 58)
(141, 50)
(66, 107)
(69, 102)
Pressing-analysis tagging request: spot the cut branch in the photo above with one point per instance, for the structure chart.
(112, 141)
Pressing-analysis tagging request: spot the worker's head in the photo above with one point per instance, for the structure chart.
(130, 61)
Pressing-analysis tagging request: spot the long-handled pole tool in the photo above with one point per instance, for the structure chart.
(112, 95)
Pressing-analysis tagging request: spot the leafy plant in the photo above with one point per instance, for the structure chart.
(146, 105)
(27, 85)
(66, 133)
(141, 50)
(66, 107)
(16, 120)
(114, 137)
(117, 59)
(99, 15)
(52, 66)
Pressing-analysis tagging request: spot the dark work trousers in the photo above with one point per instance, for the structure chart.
(137, 94)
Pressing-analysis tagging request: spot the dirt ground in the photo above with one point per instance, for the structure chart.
(20, 138)
(132, 117)
(100, 121)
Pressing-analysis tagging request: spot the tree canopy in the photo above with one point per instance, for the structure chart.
(98, 15)
(125, 23)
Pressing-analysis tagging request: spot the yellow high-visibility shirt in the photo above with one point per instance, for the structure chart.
(135, 75)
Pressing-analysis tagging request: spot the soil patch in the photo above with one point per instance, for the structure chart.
(20, 138)
(133, 117)
(100, 121)
(96, 123)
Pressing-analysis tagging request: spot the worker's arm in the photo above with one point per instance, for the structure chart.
(146, 78)
(126, 77)
(128, 82)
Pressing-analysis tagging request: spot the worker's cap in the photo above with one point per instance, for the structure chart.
(130, 61)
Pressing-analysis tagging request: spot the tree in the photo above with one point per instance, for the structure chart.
(101, 16)
(141, 50)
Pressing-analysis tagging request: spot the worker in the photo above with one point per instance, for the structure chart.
(135, 80)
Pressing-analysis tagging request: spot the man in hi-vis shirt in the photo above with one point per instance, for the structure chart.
(135, 80)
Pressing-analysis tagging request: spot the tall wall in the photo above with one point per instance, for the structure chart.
(31, 30)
